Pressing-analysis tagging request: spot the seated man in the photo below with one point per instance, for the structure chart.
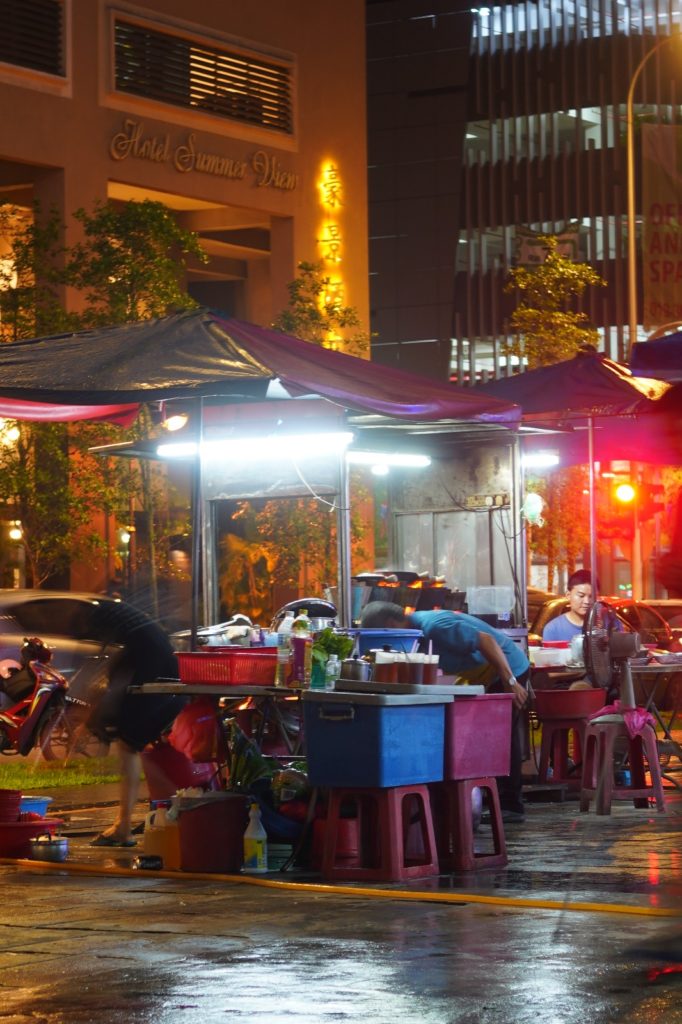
(478, 653)
(580, 598)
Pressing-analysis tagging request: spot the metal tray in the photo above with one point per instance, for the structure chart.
(449, 689)
(392, 698)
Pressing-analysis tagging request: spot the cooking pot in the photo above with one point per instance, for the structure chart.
(321, 613)
(48, 847)
(356, 669)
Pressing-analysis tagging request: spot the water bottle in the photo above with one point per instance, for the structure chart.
(302, 643)
(255, 844)
(332, 672)
(284, 650)
(301, 625)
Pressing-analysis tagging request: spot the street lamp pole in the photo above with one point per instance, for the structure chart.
(632, 272)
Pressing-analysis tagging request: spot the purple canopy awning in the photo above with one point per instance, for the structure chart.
(203, 353)
(589, 384)
(661, 358)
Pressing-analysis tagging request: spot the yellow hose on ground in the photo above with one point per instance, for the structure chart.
(510, 902)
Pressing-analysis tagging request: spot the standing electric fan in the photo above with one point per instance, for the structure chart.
(607, 651)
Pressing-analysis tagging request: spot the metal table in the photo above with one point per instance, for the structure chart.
(268, 699)
(652, 679)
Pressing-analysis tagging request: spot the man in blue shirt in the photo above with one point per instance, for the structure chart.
(470, 648)
(579, 594)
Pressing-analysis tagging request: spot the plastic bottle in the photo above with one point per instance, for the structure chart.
(332, 672)
(301, 625)
(255, 844)
(302, 643)
(284, 650)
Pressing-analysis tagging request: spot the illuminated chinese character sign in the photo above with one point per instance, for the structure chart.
(330, 241)
(662, 235)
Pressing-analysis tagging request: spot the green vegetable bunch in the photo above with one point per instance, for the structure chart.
(246, 764)
(328, 641)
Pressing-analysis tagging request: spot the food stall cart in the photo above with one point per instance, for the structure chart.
(233, 379)
(201, 361)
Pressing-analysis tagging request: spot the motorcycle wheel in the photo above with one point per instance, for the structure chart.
(62, 735)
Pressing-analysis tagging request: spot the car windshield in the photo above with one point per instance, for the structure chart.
(63, 617)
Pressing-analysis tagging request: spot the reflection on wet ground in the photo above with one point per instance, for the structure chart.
(81, 948)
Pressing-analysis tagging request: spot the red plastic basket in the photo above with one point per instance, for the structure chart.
(235, 667)
(16, 836)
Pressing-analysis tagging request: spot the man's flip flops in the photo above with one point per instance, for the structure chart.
(102, 840)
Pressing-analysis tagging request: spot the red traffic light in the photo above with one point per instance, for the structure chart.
(625, 493)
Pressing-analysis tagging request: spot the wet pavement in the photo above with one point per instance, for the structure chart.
(584, 924)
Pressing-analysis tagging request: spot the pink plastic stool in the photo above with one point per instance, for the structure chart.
(455, 826)
(598, 763)
(387, 818)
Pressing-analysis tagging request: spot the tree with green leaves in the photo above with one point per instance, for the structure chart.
(32, 274)
(565, 535)
(315, 313)
(292, 542)
(546, 328)
(129, 265)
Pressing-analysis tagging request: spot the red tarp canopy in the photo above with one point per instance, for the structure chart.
(203, 353)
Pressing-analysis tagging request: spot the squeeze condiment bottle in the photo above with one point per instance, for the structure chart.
(255, 844)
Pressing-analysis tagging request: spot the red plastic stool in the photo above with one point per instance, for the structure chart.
(386, 819)
(455, 825)
(560, 713)
(347, 843)
(598, 764)
(555, 736)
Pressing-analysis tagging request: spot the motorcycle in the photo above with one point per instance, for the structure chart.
(37, 717)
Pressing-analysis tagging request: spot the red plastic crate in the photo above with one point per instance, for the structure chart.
(478, 736)
(568, 703)
(236, 667)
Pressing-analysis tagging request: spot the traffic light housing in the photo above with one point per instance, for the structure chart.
(652, 502)
(618, 521)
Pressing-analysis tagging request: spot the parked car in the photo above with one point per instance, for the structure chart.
(64, 621)
(671, 610)
(636, 616)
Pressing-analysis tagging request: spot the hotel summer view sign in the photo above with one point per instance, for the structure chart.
(187, 157)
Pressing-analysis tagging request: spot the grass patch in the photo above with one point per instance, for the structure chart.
(18, 773)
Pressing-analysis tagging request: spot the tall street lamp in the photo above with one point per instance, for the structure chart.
(632, 274)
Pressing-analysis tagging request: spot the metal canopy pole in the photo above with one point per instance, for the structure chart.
(343, 544)
(519, 568)
(593, 506)
(197, 527)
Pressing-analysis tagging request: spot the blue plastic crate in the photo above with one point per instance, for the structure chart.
(396, 639)
(374, 740)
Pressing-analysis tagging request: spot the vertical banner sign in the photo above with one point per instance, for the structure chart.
(662, 235)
